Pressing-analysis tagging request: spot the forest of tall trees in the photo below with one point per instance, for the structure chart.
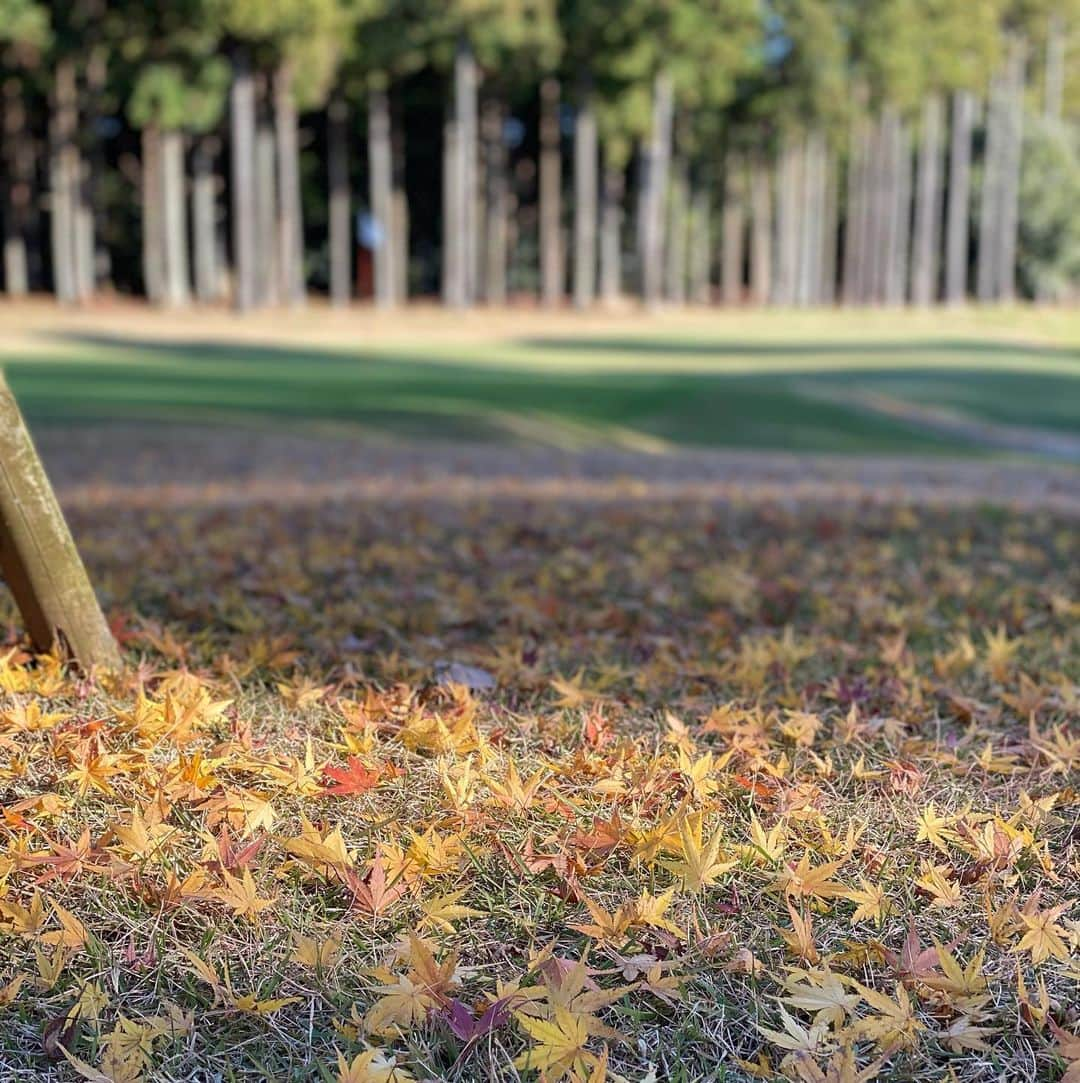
(787, 152)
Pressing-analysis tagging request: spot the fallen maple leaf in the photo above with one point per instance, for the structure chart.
(355, 778)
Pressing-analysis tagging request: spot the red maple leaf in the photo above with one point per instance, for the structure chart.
(355, 777)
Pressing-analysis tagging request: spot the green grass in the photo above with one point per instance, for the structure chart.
(770, 388)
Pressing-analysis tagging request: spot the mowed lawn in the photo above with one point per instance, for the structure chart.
(966, 383)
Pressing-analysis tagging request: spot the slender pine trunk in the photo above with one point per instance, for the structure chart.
(868, 225)
(810, 220)
(1054, 93)
(675, 249)
(381, 195)
(496, 204)
(904, 190)
(204, 185)
(958, 228)
(242, 183)
(761, 263)
(611, 235)
(1012, 163)
(453, 269)
(63, 182)
(886, 168)
(551, 260)
(18, 165)
(990, 206)
(290, 225)
(830, 227)
(654, 190)
(733, 223)
(153, 219)
(700, 247)
(177, 291)
(466, 225)
(851, 291)
(586, 167)
(85, 278)
(340, 198)
(94, 258)
(788, 187)
(270, 275)
(400, 202)
(928, 206)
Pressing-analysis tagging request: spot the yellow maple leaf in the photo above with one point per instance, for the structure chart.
(444, 910)
(701, 862)
(805, 880)
(242, 894)
(1044, 937)
(315, 954)
(371, 1066)
(933, 828)
(560, 1045)
(873, 904)
(943, 890)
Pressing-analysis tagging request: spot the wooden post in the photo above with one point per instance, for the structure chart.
(38, 558)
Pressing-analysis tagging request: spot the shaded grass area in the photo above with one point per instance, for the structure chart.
(705, 392)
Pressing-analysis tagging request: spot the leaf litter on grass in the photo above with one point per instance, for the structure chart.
(745, 792)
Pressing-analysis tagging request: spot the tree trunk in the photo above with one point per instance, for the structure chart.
(788, 185)
(340, 225)
(655, 163)
(466, 85)
(153, 219)
(1054, 101)
(811, 220)
(204, 219)
(174, 220)
(400, 203)
(734, 231)
(270, 276)
(1012, 163)
(496, 205)
(38, 558)
(242, 119)
(94, 260)
(700, 248)
(900, 216)
(956, 256)
(990, 207)
(884, 236)
(381, 195)
(453, 271)
(675, 249)
(611, 236)
(761, 244)
(869, 230)
(290, 224)
(830, 227)
(18, 164)
(586, 167)
(928, 206)
(853, 213)
(551, 260)
(905, 185)
(85, 279)
(63, 182)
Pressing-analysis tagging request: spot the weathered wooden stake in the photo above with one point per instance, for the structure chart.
(38, 558)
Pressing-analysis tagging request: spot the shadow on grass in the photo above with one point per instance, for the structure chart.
(206, 382)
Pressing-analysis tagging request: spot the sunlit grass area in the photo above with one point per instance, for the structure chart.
(925, 383)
